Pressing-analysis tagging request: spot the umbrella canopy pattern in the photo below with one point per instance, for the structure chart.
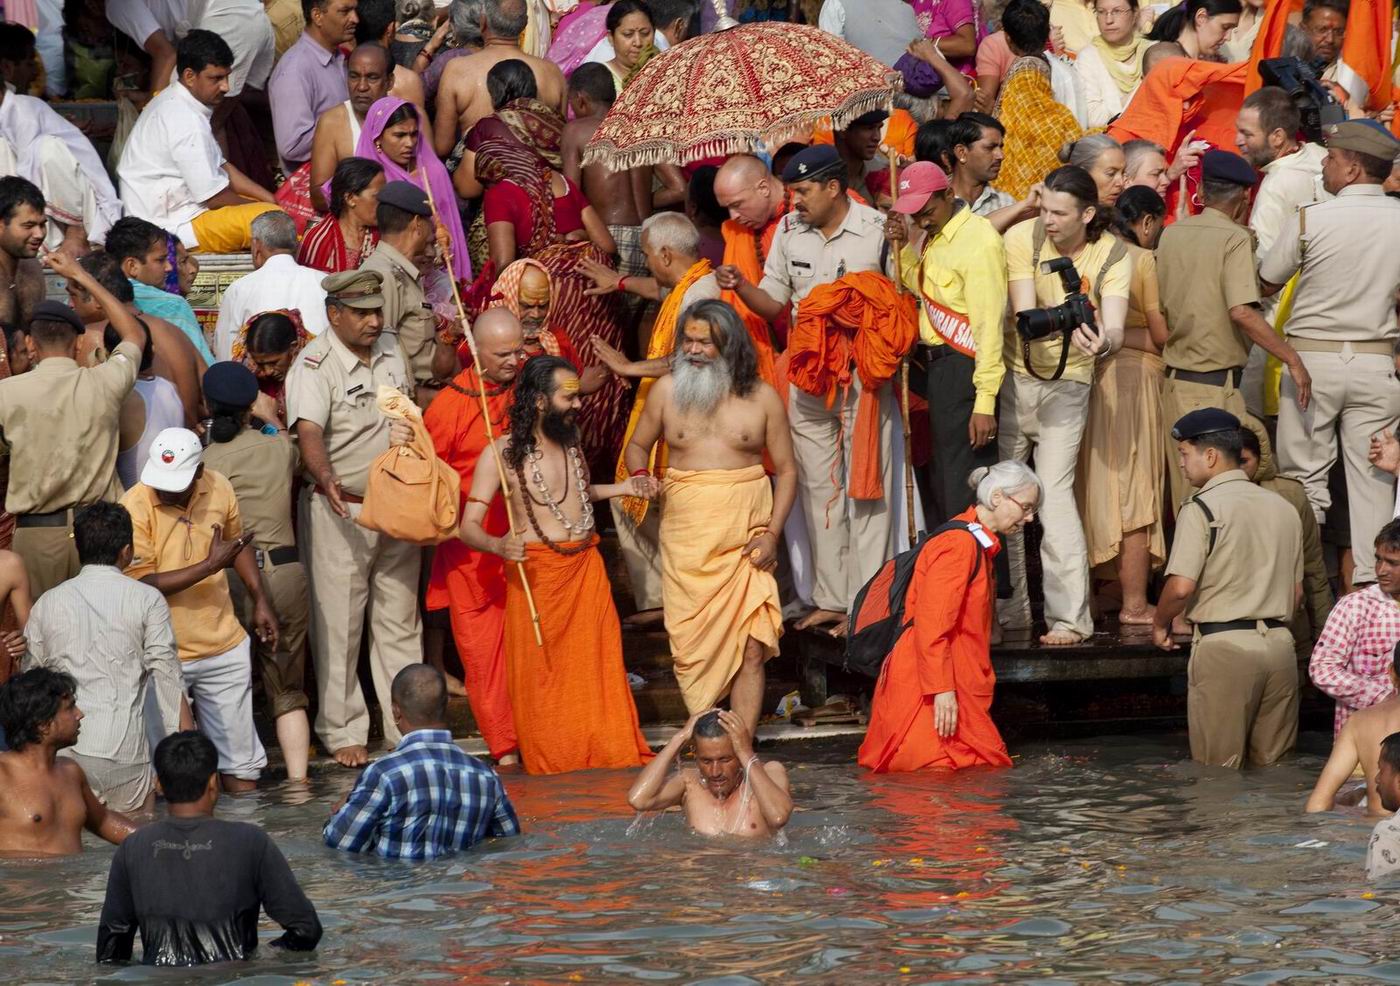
(731, 91)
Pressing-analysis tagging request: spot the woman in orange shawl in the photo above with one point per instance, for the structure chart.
(933, 701)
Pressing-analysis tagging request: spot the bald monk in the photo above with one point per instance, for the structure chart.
(755, 200)
(338, 129)
(47, 801)
(469, 584)
(1358, 745)
(728, 792)
(462, 98)
(721, 516)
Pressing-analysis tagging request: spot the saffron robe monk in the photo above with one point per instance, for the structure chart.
(469, 584)
(755, 200)
(572, 706)
(933, 700)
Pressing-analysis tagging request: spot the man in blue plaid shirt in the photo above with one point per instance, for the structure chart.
(427, 798)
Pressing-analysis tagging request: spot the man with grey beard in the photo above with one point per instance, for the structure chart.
(720, 512)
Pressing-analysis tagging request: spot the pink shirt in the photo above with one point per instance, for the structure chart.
(1353, 654)
(994, 56)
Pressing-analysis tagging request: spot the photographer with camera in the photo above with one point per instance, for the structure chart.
(1069, 280)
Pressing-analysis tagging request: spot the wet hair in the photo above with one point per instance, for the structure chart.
(275, 230)
(1027, 26)
(1006, 476)
(1276, 110)
(1389, 536)
(731, 339)
(1390, 750)
(536, 380)
(1074, 180)
(420, 692)
(1249, 442)
(507, 18)
(1227, 443)
(271, 333)
(708, 726)
(199, 49)
(133, 238)
(466, 17)
(106, 270)
(375, 18)
(701, 195)
(674, 231)
(595, 81)
(1170, 25)
(184, 762)
(933, 142)
(510, 80)
(15, 192)
(622, 8)
(29, 701)
(101, 532)
(352, 176)
(1135, 202)
(1342, 7)
(111, 338)
(1086, 151)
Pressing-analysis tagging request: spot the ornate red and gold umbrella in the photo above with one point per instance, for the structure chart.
(732, 91)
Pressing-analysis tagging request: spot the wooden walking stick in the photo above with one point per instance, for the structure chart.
(485, 414)
(904, 381)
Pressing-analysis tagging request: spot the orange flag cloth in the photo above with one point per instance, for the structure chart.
(573, 709)
(1363, 66)
(860, 319)
(1180, 95)
(1268, 43)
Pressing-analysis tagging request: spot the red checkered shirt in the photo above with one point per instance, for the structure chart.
(1353, 654)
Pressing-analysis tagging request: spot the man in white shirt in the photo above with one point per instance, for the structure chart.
(277, 281)
(172, 172)
(154, 25)
(157, 25)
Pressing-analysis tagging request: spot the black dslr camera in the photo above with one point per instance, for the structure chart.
(1064, 318)
(1314, 101)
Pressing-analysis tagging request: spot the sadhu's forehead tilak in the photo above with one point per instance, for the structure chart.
(569, 385)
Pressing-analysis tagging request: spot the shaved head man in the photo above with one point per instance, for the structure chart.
(500, 342)
(750, 192)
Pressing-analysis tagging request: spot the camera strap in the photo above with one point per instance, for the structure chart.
(1115, 254)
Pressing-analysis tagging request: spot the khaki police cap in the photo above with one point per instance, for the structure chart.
(1364, 137)
(355, 288)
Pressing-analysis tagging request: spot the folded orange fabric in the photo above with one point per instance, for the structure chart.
(1180, 95)
(860, 320)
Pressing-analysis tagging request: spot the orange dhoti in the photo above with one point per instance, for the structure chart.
(948, 648)
(573, 709)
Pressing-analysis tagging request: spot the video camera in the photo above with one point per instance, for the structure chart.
(1064, 318)
(1315, 103)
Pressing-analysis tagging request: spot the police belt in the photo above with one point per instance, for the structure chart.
(1205, 629)
(55, 518)
(1211, 378)
(278, 556)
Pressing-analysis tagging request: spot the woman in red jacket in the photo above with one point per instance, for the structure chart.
(933, 701)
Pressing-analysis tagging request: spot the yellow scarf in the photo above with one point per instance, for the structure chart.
(663, 341)
(1124, 62)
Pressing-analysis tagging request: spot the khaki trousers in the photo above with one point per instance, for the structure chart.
(358, 576)
(641, 552)
(1242, 697)
(1354, 395)
(1179, 398)
(1045, 418)
(49, 553)
(850, 539)
(283, 668)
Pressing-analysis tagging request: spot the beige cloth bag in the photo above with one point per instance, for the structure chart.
(411, 494)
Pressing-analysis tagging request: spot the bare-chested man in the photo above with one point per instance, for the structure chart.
(462, 95)
(47, 801)
(721, 516)
(338, 129)
(728, 792)
(22, 230)
(1359, 745)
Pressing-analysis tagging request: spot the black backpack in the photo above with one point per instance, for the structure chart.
(877, 615)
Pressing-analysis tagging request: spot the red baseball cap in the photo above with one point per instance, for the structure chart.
(916, 183)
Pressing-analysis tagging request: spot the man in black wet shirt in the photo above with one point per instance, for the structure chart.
(194, 884)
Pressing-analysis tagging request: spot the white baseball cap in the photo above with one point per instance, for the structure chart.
(175, 457)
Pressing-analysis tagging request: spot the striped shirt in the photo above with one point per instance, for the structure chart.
(424, 800)
(111, 633)
(1352, 657)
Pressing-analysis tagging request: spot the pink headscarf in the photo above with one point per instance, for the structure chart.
(428, 165)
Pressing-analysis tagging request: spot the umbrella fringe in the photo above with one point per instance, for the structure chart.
(652, 153)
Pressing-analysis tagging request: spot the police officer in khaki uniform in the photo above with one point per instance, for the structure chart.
(1210, 297)
(331, 404)
(825, 237)
(1346, 253)
(405, 231)
(60, 423)
(1236, 568)
(261, 462)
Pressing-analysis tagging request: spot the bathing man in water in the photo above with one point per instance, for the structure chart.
(729, 792)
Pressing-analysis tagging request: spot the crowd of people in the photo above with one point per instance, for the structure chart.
(990, 304)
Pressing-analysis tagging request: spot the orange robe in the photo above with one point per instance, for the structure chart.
(947, 649)
(469, 584)
(747, 249)
(573, 708)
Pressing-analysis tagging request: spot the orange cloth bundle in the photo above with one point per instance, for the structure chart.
(862, 319)
(1180, 95)
(411, 494)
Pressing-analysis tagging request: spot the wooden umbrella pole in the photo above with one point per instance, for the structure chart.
(486, 417)
(904, 381)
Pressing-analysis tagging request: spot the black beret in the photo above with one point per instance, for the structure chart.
(406, 196)
(231, 384)
(53, 311)
(814, 163)
(1229, 167)
(1204, 421)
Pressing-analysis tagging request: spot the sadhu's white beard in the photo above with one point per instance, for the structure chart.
(699, 387)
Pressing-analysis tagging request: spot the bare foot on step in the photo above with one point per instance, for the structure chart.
(1137, 617)
(819, 618)
(351, 756)
(455, 688)
(1061, 638)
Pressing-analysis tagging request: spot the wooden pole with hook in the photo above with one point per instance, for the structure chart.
(904, 380)
(486, 414)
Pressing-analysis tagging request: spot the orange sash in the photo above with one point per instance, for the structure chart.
(745, 249)
(952, 327)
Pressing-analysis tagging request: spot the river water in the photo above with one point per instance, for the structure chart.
(1107, 860)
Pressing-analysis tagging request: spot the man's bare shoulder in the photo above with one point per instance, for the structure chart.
(577, 131)
(466, 68)
(1383, 718)
(661, 388)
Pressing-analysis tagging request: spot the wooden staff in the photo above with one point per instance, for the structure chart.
(486, 414)
(904, 380)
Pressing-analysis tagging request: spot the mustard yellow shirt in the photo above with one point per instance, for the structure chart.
(167, 539)
(963, 268)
